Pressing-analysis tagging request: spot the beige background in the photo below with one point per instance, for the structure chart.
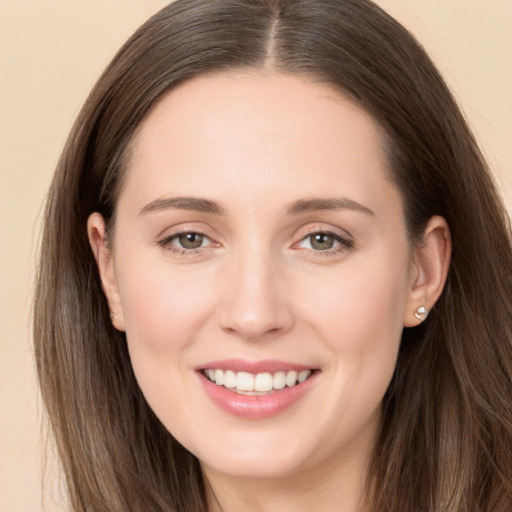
(52, 51)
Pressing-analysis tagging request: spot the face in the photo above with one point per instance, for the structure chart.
(261, 270)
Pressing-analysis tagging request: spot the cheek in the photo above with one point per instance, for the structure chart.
(163, 310)
(162, 306)
(367, 300)
(358, 314)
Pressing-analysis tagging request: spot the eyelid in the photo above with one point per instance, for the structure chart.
(166, 240)
(343, 237)
(173, 236)
(312, 229)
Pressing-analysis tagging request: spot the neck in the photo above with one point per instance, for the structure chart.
(329, 487)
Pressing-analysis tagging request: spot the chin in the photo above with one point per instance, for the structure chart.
(257, 456)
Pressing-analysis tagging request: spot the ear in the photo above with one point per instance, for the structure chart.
(429, 269)
(96, 231)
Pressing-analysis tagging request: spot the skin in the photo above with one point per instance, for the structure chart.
(257, 288)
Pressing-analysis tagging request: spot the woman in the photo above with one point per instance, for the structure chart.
(272, 316)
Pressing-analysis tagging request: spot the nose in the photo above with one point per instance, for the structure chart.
(255, 304)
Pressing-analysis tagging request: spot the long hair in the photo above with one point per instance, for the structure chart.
(446, 437)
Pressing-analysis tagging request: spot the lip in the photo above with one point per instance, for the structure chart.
(243, 365)
(255, 406)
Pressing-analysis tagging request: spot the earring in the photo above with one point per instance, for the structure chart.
(421, 313)
(114, 317)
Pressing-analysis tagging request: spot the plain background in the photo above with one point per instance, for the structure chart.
(51, 53)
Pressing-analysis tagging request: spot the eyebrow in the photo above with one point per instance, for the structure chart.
(183, 203)
(208, 206)
(318, 204)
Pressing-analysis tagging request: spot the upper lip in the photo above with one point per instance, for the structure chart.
(255, 367)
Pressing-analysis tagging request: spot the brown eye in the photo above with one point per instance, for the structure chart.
(191, 240)
(321, 241)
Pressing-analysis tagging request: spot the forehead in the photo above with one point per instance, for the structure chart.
(264, 101)
(254, 132)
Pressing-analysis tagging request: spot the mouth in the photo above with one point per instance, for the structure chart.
(250, 384)
(256, 390)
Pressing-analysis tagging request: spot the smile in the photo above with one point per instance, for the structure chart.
(256, 384)
(256, 390)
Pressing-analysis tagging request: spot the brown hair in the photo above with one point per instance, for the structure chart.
(446, 437)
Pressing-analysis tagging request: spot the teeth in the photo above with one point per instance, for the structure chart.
(291, 379)
(219, 377)
(229, 379)
(303, 375)
(244, 381)
(263, 382)
(279, 380)
(247, 383)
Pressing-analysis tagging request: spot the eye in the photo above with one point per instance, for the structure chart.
(321, 241)
(324, 241)
(185, 241)
(190, 240)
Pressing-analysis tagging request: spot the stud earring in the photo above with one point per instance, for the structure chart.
(421, 313)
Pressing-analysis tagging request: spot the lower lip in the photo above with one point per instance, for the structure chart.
(256, 406)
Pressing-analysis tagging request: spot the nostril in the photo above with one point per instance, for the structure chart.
(254, 307)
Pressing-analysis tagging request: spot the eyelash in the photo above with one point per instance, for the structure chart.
(166, 243)
(344, 243)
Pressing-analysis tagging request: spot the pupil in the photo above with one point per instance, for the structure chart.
(322, 241)
(191, 240)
